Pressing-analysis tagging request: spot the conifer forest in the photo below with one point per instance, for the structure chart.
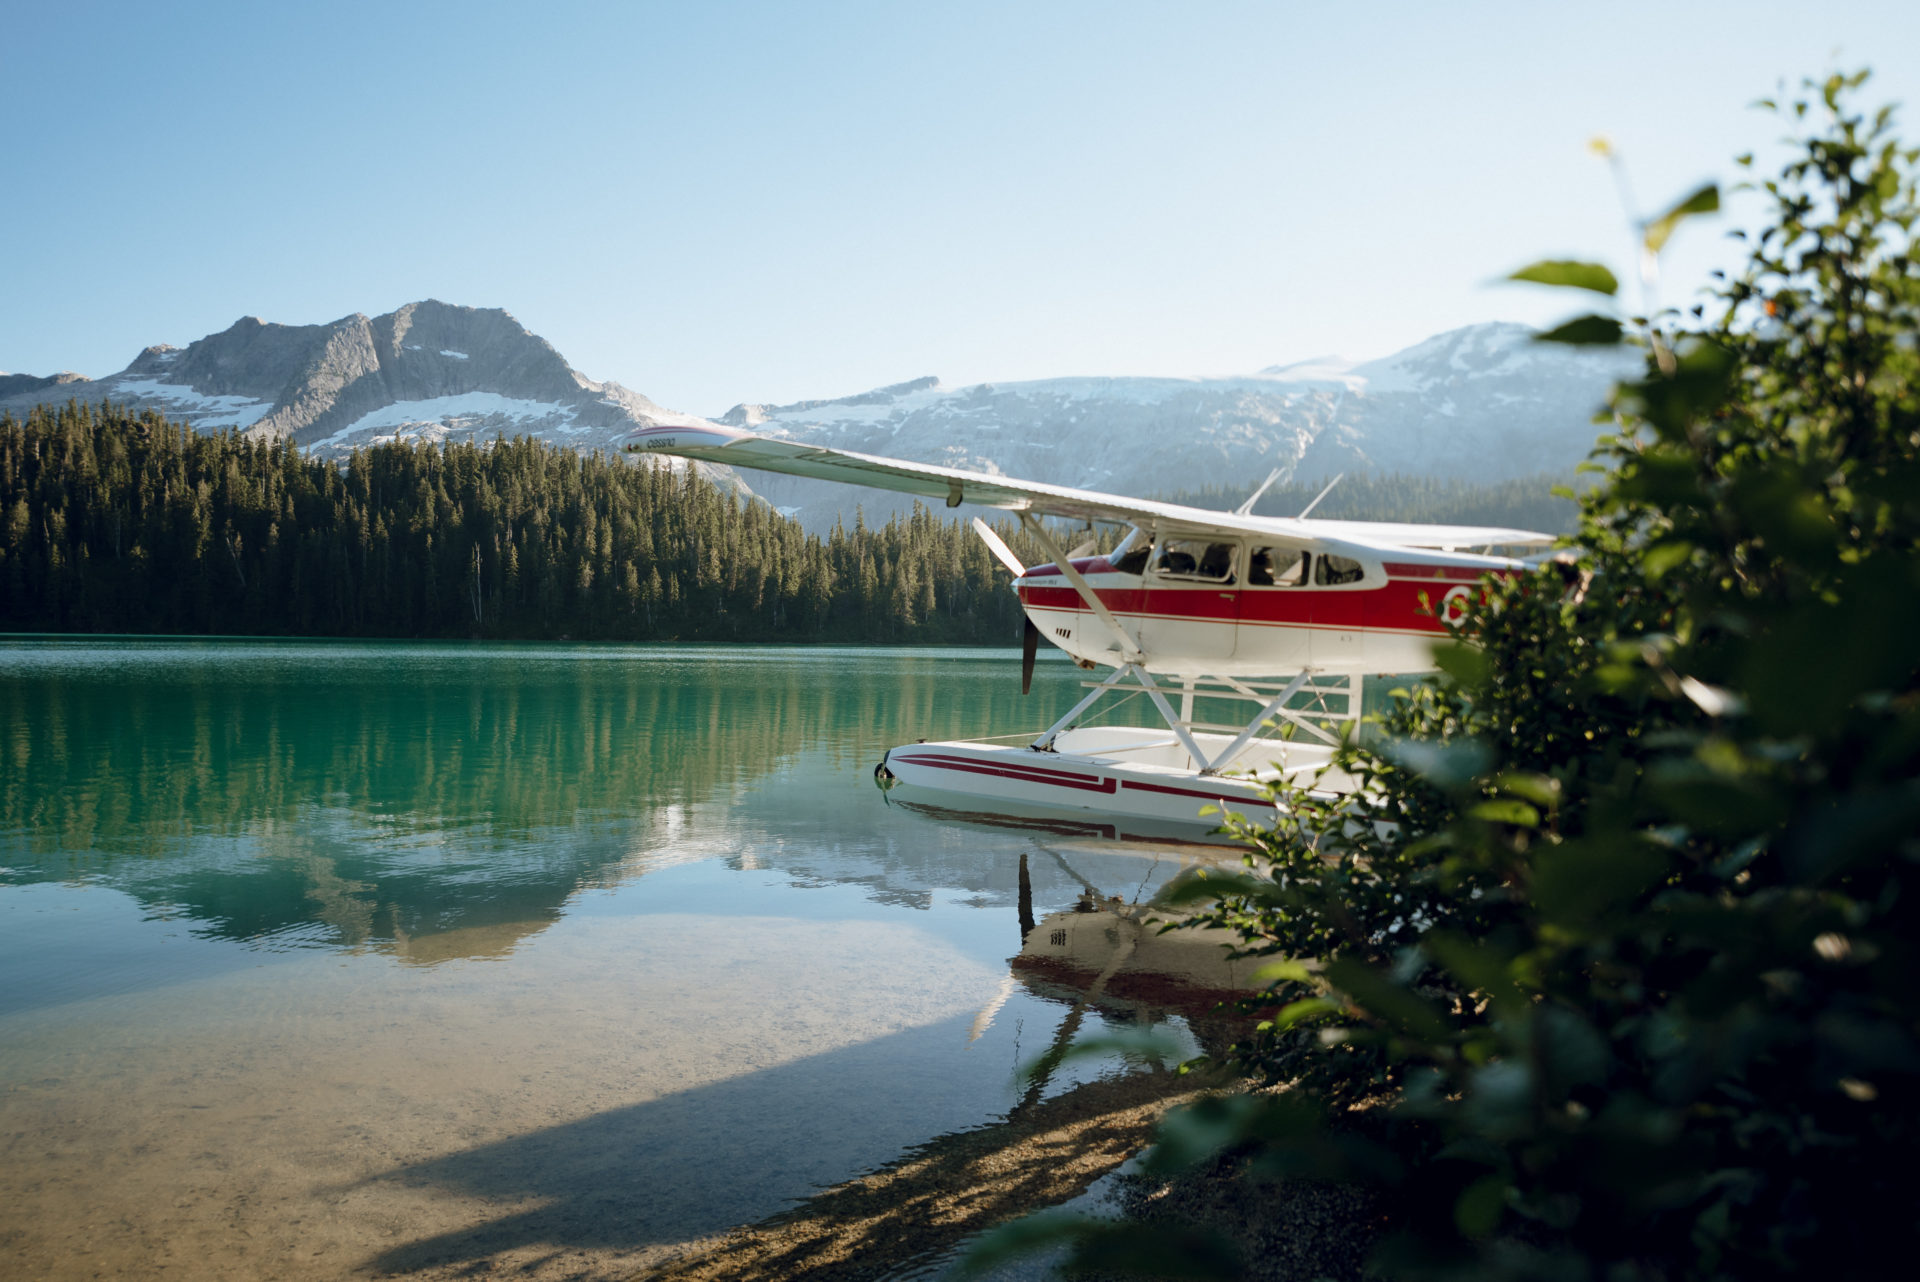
(119, 522)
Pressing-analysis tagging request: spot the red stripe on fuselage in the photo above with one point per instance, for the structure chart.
(1395, 607)
(1401, 605)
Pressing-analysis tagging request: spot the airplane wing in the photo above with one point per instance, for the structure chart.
(952, 486)
(1444, 538)
(734, 447)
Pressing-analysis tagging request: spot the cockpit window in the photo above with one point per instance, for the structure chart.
(1338, 569)
(1134, 559)
(1277, 567)
(1195, 559)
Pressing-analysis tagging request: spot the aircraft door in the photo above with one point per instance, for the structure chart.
(1273, 628)
(1191, 601)
(1339, 600)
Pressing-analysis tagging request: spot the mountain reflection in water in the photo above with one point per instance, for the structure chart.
(432, 801)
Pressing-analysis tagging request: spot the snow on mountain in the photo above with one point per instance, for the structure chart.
(1485, 403)
(428, 372)
(178, 400)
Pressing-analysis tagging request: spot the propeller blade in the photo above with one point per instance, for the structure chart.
(998, 546)
(1029, 648)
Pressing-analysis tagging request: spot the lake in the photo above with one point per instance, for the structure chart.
(329, 959)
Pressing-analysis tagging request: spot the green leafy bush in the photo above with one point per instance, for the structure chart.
(1621, 941)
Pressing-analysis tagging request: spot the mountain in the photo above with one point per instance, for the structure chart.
(26, 385)
(427, 372)
(1483, 403)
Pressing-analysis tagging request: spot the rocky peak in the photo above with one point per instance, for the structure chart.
(427, 371)
(25, 384)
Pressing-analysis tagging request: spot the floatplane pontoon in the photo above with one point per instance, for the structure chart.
(1248, 635)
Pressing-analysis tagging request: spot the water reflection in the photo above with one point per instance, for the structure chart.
(439, 801)
(326, 958)
(1105, 961)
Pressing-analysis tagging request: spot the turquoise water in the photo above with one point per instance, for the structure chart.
(322, 958)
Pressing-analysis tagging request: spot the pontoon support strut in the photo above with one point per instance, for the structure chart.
(1045, 742)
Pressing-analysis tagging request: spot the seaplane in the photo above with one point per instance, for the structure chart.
(1276, 620)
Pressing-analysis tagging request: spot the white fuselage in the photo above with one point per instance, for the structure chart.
(1223, 607)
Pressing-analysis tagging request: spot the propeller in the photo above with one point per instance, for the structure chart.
(1030, 637)
(1029, 648)
(998, 546)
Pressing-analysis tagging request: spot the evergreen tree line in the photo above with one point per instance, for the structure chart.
(114, 521)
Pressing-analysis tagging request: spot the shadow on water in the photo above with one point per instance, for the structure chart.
(693, 1163)
(703, 1163)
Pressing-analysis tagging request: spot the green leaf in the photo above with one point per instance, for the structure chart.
(1154, 1044)
(1541, 790)
(1273, 972)
(1199, 887)
(1570, 1050)
(1132, 1249)
(1702, 377)
(1446, 765)
(1566, 273)
(1853, 828)
(1306, 1008)
(1665, 555)
(1705, 200)
(1481, 966)
(1463, 663)
(1584, 331)
(1478, 1210)
(1034, 1233)
(1581, 881)
(1387, 1001)
(1506, 810)
(1710, 803)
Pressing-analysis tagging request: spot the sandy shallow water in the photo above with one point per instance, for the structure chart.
(330, 962)
(223, 1131)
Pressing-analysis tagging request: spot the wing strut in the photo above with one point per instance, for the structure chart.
(1323, 493)
(1129, 649)
(1246, 509)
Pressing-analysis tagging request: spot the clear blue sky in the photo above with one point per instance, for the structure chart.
(715, 202)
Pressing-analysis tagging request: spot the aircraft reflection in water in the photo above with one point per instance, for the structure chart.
(1111, 955)
(1104, 960)
(1107, 946)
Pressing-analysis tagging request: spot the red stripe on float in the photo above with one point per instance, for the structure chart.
(1025, 774)
(1223, 798)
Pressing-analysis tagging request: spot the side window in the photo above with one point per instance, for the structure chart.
(1337, 569)
(1195, 559)
(1277, 567)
